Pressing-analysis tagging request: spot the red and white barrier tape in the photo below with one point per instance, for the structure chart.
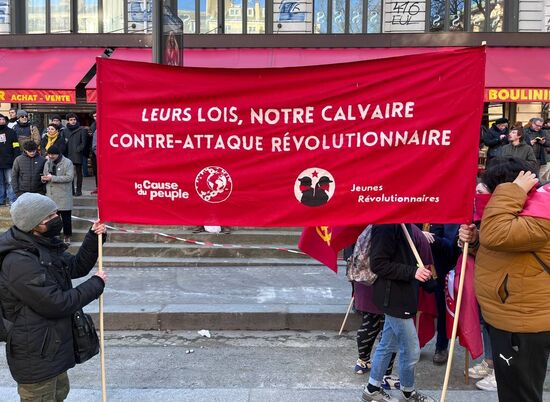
(195, 242)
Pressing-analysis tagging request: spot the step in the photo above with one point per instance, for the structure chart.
(181, 250)
(145, 262)
(238, 236)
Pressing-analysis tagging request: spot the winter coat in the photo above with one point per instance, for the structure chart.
(521, 151)
(511, 286)
(60, 189)
(37, 297)
(76, 141)
(60, 143)
(539, 149)
(396, 289)
(9, 147)
(492, 139)
(26, 132)
(25, 175)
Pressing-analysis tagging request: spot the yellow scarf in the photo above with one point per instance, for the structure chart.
(51, 139)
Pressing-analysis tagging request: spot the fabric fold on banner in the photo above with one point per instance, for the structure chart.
(375, 141)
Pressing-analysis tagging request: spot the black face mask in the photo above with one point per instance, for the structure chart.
(53, 227)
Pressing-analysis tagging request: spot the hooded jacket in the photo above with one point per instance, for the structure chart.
(512, 287)
(76, 138)
(37, 297)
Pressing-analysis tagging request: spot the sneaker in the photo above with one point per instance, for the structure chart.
(418, 397)
(480, 370)
(67, 240)
(362, 366)
(380, 395)
(390, 381)
(198, 229)
(488, 383)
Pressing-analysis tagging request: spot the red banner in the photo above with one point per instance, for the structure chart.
(391, 140)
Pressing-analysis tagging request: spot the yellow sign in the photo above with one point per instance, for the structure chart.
(517, 95)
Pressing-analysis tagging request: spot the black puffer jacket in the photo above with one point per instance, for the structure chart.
(25, 175)
(76, 141)
(396, 289)
(37, 296)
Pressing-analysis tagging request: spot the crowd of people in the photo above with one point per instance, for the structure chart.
(512, 280)
(512, 277)
(50, 163)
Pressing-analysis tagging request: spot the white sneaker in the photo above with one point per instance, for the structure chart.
(489, 383)
(378, 396)
(480, 370)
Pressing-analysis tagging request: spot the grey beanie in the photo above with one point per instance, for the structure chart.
(21, 112)
(30, 209)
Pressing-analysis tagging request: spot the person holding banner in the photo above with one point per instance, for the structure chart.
(38, 299)
(396, 294)
(512, 279)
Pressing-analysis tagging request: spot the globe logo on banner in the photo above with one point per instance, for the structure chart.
(213, 184)
(314, 187)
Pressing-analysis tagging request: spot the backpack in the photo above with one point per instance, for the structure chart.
(358, 265)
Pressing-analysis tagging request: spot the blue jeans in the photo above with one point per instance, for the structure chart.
(5, 186)
(398, 335)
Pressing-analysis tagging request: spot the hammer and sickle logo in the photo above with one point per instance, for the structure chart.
(324, 233)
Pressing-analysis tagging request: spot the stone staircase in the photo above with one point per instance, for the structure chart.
(245, 246)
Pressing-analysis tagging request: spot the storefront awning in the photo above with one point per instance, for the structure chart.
(512, 74)
(44, 75)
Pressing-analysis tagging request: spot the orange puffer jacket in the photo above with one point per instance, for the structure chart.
(512, 287)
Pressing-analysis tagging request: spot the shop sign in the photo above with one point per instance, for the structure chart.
(36, 96)
(517, 95)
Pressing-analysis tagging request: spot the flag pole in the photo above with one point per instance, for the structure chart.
(101, 327)
(455, 323)
(413, 247)
(347, 313)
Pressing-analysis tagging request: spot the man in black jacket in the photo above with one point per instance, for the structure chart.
(76, 138)
(38, 298)
(27, 171)
(9, 150)
(396, 294)
(496, 137)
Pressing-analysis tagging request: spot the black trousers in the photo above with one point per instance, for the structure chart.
(520, 362)
(370, 327)
(94, 166)
(67, 223)
(78, 177)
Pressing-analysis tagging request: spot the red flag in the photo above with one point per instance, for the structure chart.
(324, 242)
(427, 309)
(469, 327)
(241, 147)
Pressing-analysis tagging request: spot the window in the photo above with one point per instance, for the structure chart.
(5, 23)
(347, 16)
(60, 16)
(466, 15)
(140, 16)
(113, 16)
(36, 16)
(88, 16)
(201, 19)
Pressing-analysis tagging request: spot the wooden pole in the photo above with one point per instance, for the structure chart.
(455, 323)
(413, 247)
(346, 317)
(101, 328)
